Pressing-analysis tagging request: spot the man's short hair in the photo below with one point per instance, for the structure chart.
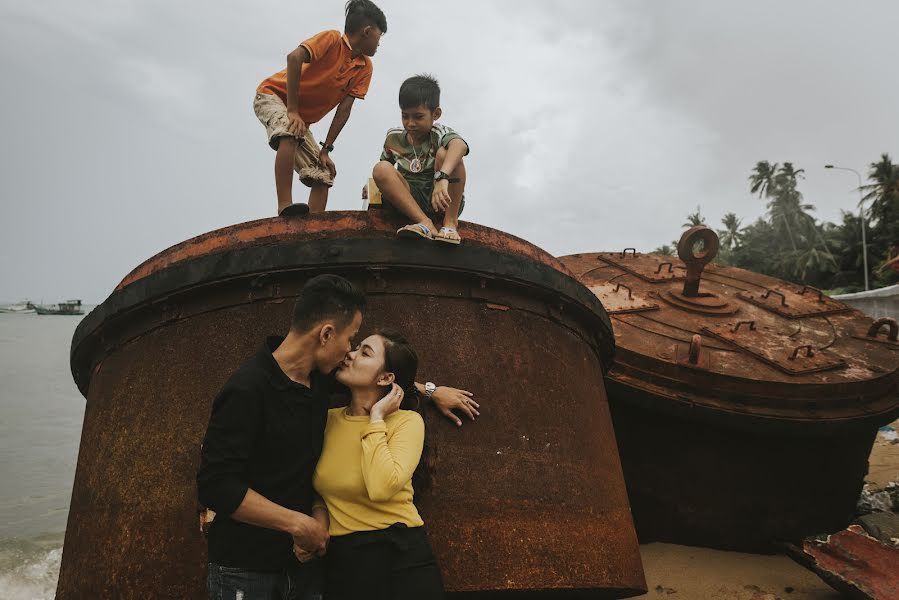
(326, 298)
(361, 13)
(420, 90)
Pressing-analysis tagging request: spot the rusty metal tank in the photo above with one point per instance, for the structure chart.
(529, 500)
(745, 407)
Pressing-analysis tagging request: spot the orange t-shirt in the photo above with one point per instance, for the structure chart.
(331, 75)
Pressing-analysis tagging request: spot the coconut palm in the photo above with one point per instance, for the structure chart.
(884, 197)
(694, 218)
(730, 235)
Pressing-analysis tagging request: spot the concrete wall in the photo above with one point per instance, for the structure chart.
(875, 303)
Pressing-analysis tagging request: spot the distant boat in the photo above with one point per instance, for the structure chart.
(69, 307)
(20, 308)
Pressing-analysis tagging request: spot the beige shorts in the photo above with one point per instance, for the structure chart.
(272, 112)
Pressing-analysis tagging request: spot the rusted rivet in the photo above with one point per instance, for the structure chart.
(892, 333)
(258, 281)
(695, 348)
(739, 323)
(809, 351)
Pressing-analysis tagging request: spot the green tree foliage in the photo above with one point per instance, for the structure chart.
(789, 243)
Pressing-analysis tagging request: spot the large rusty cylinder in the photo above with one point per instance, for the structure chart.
(529, 500)
(745, 407)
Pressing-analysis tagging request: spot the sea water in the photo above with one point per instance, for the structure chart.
(41, 413)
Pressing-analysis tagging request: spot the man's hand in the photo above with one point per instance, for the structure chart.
(387, 405)
(440, 198)
(296, 125)
(309, 535)
(325, 159)
(447, 399)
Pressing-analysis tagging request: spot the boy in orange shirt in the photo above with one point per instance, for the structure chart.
(327, 70)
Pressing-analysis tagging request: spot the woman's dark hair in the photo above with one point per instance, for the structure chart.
(361, 13)
(401, 359)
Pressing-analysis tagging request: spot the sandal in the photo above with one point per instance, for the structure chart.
(298, 209)
(415, 230)
(441, 237)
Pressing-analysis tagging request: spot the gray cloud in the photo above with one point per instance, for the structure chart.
(128, 126)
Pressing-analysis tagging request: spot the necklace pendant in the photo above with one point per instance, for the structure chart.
(415, 165)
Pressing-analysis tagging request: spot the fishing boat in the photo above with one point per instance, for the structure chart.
(20, 308)
(69, 307)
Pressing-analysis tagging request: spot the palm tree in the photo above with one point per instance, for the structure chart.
(730, 235)
(694, 218)
(762, 179)
(884, 197)
(768, 182)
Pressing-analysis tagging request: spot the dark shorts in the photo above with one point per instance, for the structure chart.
(233, 583)
(421, 191)
(390, 564)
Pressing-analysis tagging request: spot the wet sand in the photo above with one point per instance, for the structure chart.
(686, 573)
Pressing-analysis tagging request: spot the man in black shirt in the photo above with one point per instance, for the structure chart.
(264, 439)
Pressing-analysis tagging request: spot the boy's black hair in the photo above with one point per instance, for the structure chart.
(326, 297)
(361, 13)
(420, 90)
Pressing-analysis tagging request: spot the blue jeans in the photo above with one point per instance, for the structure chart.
(234, 583)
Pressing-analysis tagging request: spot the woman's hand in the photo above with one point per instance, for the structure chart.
(387, 405)
(302, 555)
(448, 399)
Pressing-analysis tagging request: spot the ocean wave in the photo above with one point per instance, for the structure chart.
(29, 569)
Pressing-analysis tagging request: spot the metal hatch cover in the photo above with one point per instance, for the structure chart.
(794, 303)
(618, 298)
(775, 348)
(647, 267)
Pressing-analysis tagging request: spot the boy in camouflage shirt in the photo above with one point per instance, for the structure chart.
(421, 172)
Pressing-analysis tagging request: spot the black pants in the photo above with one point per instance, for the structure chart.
(390, 564)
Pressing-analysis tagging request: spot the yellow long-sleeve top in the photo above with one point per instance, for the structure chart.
(364, 474)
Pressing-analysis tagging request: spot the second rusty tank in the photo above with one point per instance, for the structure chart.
(745, 407)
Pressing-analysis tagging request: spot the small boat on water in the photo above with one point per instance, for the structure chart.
(20, 308)
(69, 307)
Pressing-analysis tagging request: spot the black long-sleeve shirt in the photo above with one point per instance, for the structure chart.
(265, 433)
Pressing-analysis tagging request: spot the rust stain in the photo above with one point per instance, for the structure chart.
(756, 432)
(529, 499)
(853, 563)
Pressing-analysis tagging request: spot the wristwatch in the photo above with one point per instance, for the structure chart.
(430, 387)
(438, 175)
(329, 147)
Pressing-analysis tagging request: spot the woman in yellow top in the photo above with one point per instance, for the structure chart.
(378, 548)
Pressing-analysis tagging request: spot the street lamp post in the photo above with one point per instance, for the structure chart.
(861, 214)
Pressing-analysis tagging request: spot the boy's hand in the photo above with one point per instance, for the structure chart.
(440, 198)
(325, 159)
(296, 125)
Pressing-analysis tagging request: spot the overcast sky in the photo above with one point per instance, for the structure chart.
(127, 126)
